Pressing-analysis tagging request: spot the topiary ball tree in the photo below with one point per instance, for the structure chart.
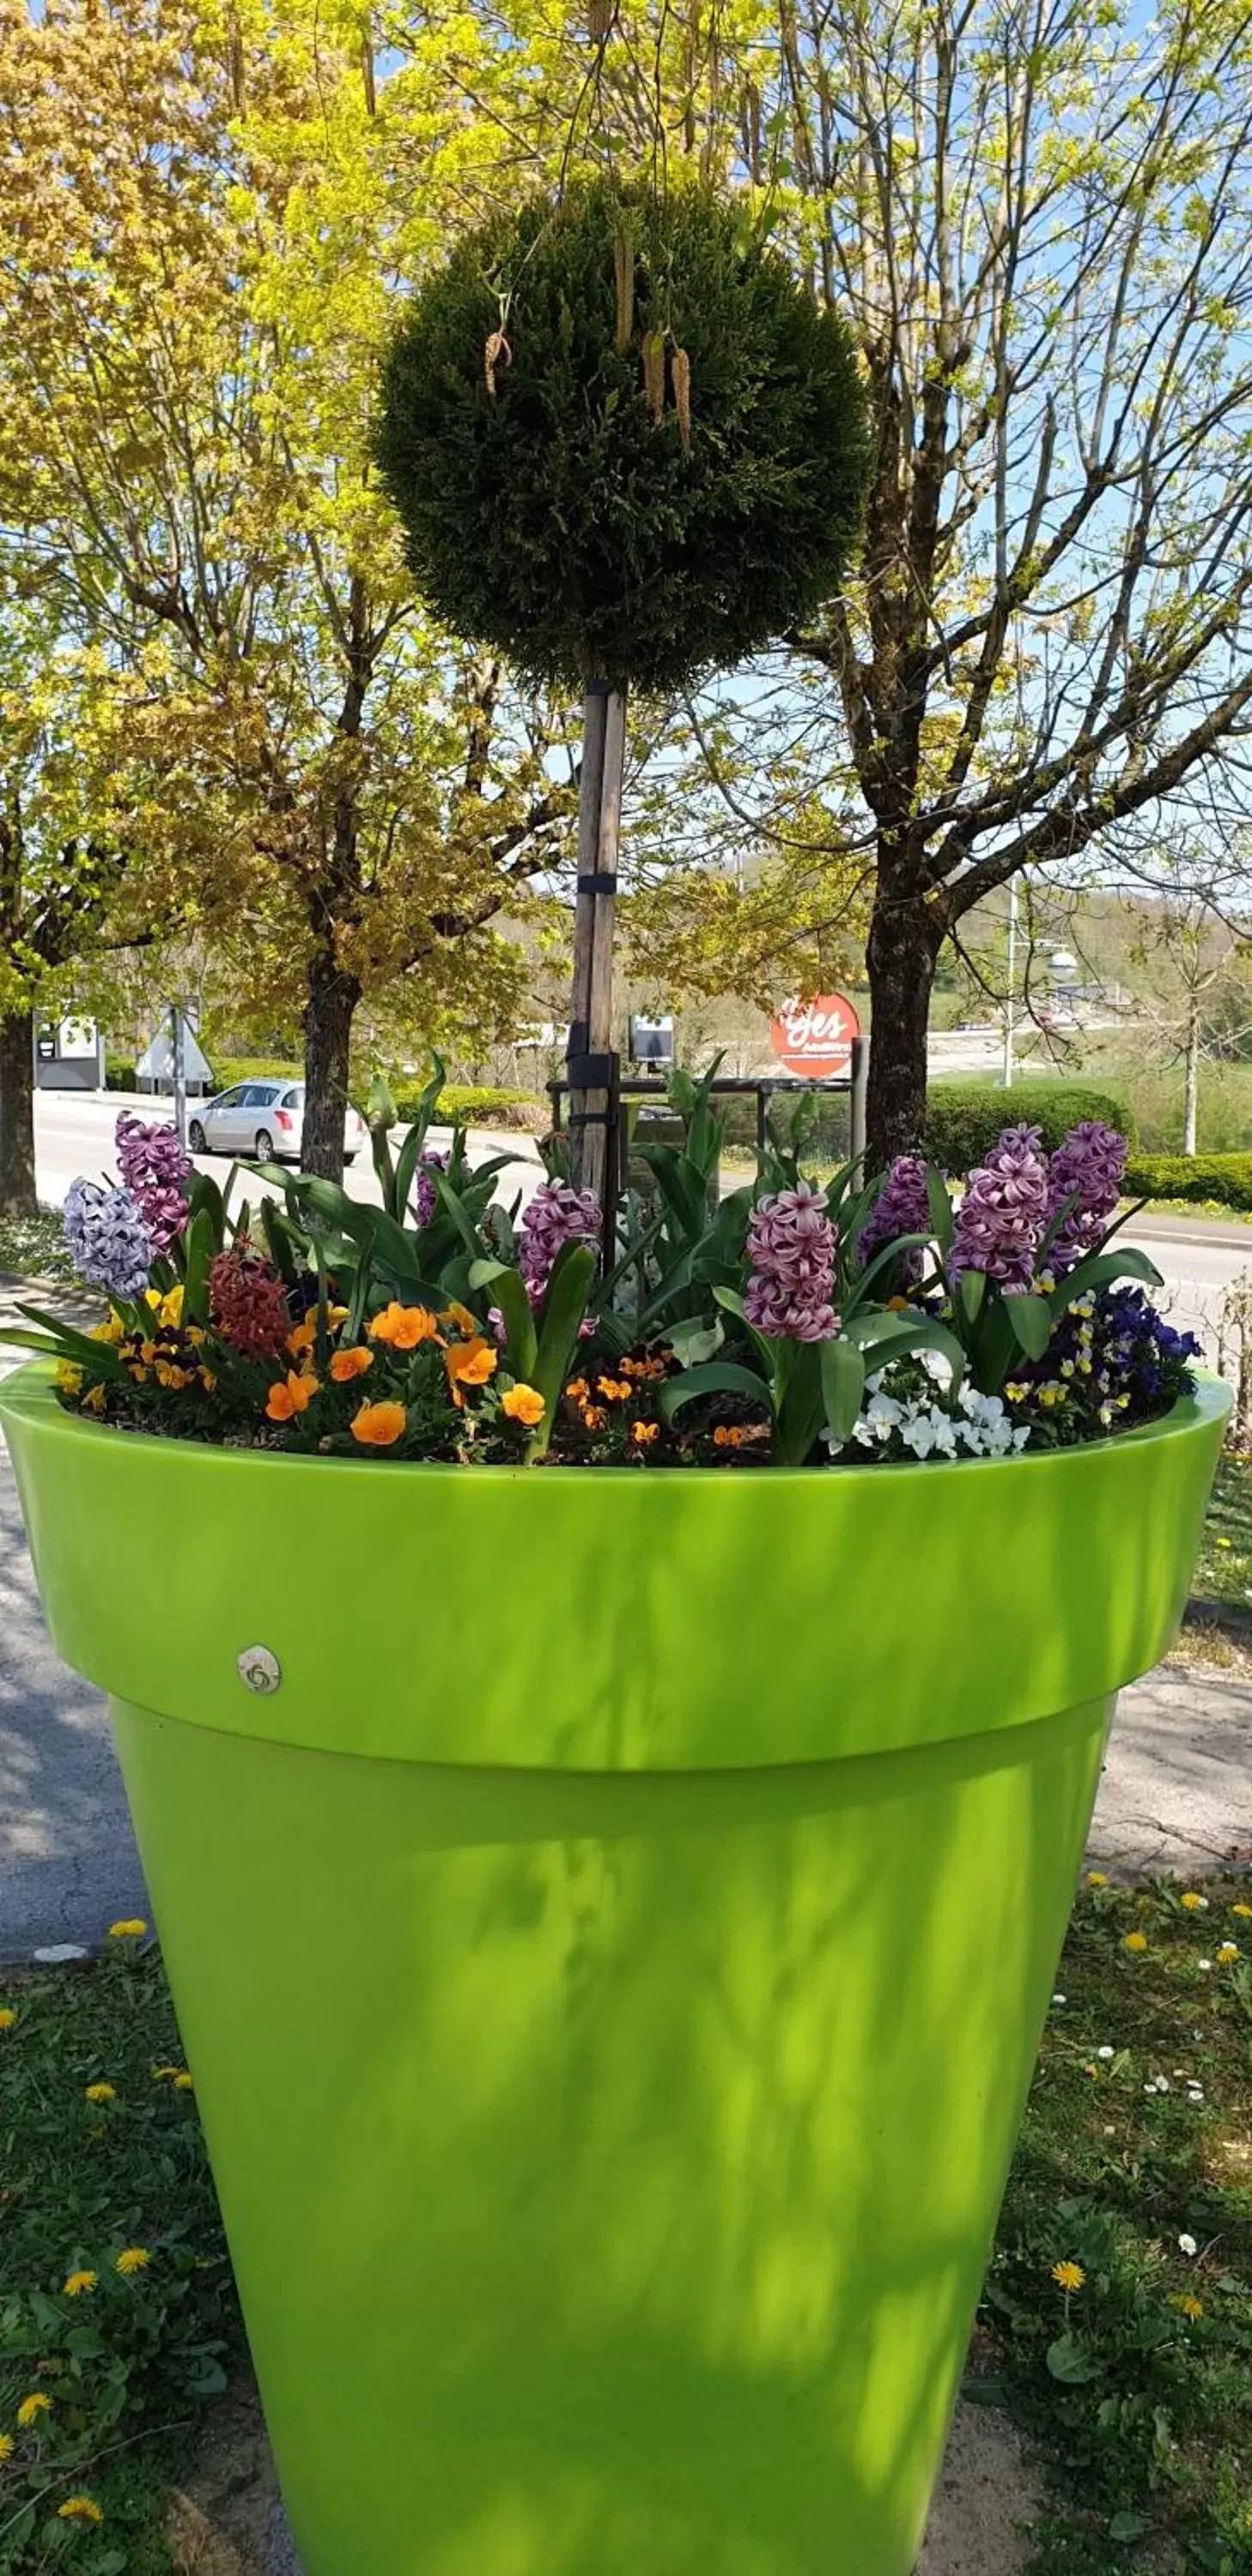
(627, 446)
(624, 441)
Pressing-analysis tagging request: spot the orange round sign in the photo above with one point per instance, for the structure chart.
(814, 1037)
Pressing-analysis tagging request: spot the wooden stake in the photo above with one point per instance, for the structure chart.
(591, 1009)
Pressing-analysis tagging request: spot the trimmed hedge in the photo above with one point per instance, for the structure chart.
(229, 1069)
(469, 1104)
(119, 1076)
(1221, 1179)
(963, 1119)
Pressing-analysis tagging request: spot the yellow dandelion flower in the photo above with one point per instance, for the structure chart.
(165, 2074)
(32, 2407)
(7, 2447)
(80, 2508)
(131, 1930)
(101, 2093)
(1194, 1904)
(7, 2017)
(1096, 1878)
(183, 2083)
(1245, 1911)
(1227, 1954)
(77, 2282)
(1188, 2306)
(133, 2258)
(1068, 2276)
(1135, 1942)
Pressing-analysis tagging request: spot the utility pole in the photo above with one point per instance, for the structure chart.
(1011, 986)
(179, 1072)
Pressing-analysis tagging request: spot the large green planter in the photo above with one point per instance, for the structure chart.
(613, 1959)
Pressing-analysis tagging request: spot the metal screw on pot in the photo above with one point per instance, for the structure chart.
(259, 1670)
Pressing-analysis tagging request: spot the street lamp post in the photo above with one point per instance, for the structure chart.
(1011, 983)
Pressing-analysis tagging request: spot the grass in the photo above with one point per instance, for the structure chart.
(1134, 2386)
(126, 2363)
(1224, 1569)
(34, 1246)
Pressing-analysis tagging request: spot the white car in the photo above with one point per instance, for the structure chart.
(262, 1119)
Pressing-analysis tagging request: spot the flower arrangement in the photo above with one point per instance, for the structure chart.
(794, 1325)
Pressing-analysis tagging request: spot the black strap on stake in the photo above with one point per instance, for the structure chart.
(590, 1072)
(604, 883)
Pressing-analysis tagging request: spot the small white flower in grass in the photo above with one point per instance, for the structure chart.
(1204, 1966)
(1058, 1999)
(1106, 2053)
(1187, 2245)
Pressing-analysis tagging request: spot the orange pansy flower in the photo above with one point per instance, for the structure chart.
(345, 1365)
(292, 1395)
(469, 1364)
(404, 1326)
(459, 1315)
(523, 1404)
(379, 1426)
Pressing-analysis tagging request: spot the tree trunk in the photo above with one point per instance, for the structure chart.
(1191, 1077)
(900, 958)
(17, 1117)
(332, 999)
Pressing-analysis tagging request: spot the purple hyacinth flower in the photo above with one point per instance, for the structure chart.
(791, 1254)
(1089, 1168)
(108, 1241)
(1003, 1215)
(426, 1196)
(155, 1169)
(557, 1215)
(902, 1207)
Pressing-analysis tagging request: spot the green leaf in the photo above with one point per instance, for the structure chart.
(200, 1251)
(971, 1290)
(564, 1306)
(692, 1340)
(941, 1215)
(884, 1345)
(1032, 1319)
(377, 1233)
(1129, 2526)
(69, 1343)
(717, 1377)
(1070, 2363)
(522, 1341)
(1126, 1262)
(843, 1386)
(205, 1198)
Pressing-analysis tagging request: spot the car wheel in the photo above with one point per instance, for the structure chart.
(265, 1146)
(196, 1137)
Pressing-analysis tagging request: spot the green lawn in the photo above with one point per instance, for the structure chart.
(118, 2318)
(1224, 1571)
(1131, 2374)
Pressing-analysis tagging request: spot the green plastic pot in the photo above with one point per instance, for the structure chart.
(613, 1958)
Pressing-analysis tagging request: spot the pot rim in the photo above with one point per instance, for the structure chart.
(29, 1392)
